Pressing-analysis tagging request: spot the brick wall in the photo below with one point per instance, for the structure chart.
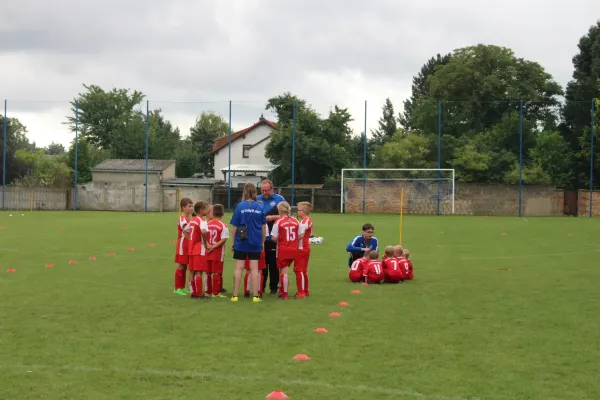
(470, 199)
(584, 203)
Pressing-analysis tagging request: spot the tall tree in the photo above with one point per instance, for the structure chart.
(420, 88)
(87, 158)
(163, 137)
(387, 125)
(43, 170)
(55, 149)
(579, 95)
(208, 127)
(16, 135)
(187, 158)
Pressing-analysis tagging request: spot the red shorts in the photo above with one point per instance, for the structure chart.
(198, 263)
(355, 276)
(182, 259)
(374, 279)
(393, 277)
(262, 263)
(215, 267)
(301, 262)
(283, 263)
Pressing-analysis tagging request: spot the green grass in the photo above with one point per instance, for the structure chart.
(463, 329)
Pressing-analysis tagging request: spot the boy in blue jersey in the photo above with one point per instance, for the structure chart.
(362, 243)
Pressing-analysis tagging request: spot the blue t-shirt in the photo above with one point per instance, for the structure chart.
(269, 207)
(357, 244)
(249, 214)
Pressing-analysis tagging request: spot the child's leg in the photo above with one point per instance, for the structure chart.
(283, 282)
(208, 283)
(199, 284)
(246, 279)
(180, 276)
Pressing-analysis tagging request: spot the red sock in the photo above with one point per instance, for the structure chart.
(283, 285)
(300, 285)
(192, 286)
(199, 285)
(179, 278)
(246, 278)
(262, 283)
(305, 273)
(217, 283)
(209, 283)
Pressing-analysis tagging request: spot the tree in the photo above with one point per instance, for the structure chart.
(387, 125)
(208, 127)
(87, 158)
(470, 164)
(553, 155)
(323, 145)
(578, 101)
(420, 88)
(43, 170)
(16, 139)
(55, 149)
(187, 159)
(405, 151)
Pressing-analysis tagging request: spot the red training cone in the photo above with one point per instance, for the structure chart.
(335, 314)
(301, 357)
(61, 229)
(125, 228)
(72, 262)
(277, 394)
(48, 265)
(152, 245)
(321, 330)
(111, 254)
(10, 270)
(343, 304)
(172, 242)
(130, 249)
(92, 258)
(356, 291)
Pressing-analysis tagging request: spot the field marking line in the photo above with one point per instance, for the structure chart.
(531, 255)
(525, 219)
(236, 378)
(15, 250)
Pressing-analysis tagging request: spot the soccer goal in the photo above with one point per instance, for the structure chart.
(378, 190)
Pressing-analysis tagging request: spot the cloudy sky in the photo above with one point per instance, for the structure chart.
(189, 56)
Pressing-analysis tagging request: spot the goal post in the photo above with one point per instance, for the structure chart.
(377, 190)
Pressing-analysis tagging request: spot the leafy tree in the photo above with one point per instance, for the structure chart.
(387, 125)
(163, 137)
(470, 164)
(208, 127)
(55, 149)
(87, 158)
(187, 159)
(420, 88)
(553, 155)
(43, 170)
(405, 151)
(16, 139)
(532, 174)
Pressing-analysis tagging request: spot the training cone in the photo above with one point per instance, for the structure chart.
(301, 357)
(1, 228)
(48, 265)
(92, 258)
(569, 234)
(343, 304)
(503, 233)
(321, 330)
(10, 270)
(172, 242)
(130, 249)
(277, 394)
(111, 254)
(441, 232)
(72, 262)
(152, 245)
(335, 315)
(356, 291)
(61, 229)
(125, 228)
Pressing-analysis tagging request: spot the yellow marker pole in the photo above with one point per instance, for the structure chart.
(401, 212)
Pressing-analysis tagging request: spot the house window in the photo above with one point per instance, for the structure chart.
(246, 151)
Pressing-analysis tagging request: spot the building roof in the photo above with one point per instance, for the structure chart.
(250, 168)
(223, 141)
(121, 165)
(190, 182)
(307, 186)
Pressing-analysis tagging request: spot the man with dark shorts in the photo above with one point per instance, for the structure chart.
(269, 200)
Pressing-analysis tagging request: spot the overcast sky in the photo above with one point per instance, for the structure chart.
(329, 52)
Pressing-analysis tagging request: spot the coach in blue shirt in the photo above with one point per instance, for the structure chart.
(269, 200)
(362, 243)
(248, 229)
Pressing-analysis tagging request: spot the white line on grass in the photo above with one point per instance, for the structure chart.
(531, 255)
(236, 378)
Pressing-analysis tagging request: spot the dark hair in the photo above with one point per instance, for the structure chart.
(184, 202)
(367, 227)
(201, 205)
(218, 210)
(249, 192)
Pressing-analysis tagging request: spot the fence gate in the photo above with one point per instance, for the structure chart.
(570, 203)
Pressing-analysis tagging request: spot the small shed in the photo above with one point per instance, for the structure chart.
(247, 173)
(127, 171)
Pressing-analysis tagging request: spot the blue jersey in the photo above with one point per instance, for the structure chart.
(357, 244)
(269, 207)
(249, 214)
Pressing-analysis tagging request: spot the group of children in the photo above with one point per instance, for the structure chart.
(200, 249)
(394, 267)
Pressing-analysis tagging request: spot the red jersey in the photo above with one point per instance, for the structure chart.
(356, 270)
(306, 229)
(286, 230)
(395, 267)
(217, 230)
(410, 270)
(197, 226)
(373, 271)
(182, 241)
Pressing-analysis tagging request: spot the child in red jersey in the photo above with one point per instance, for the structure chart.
(373, 271)
(410, 274)
(181, 250)
(301, 263)
(393, 267)
(218, 233)
(198, 229)
(262, 265)
(357, 268)
(286, 232)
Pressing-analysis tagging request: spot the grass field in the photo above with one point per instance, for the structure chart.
(488, 316)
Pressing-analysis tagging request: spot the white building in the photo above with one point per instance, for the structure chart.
(248, 161)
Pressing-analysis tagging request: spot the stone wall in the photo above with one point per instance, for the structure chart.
(470, 199)
(583, 209)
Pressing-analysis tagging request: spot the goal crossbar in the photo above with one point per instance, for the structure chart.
(448, 171)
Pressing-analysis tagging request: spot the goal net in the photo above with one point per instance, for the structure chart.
(378, 190)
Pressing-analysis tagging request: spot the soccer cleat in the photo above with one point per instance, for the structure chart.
(223, 290)
(185, 290)
(179, 292)
(219, 295)
(256, 300)
(246, 295)
(235, 299)
(283, 297)
(209, 294)
(300, 296)
(193, 297)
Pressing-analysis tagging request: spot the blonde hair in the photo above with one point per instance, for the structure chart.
(406, 253)
(373, 255)
(284, 207)
(399, 249)
(249, 192)
(389, 251)
(306, 206)
(267, 182)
